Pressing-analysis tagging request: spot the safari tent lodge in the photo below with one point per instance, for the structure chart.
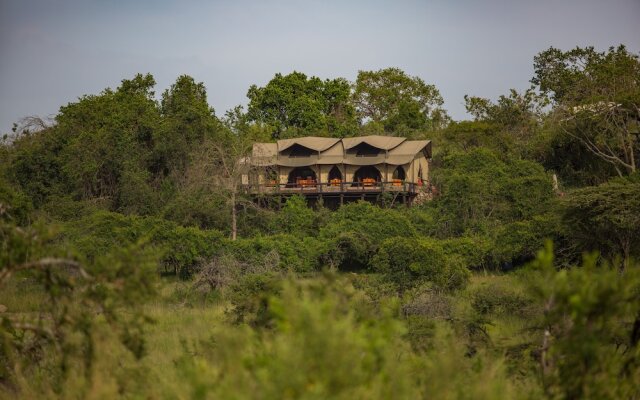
(339, 170)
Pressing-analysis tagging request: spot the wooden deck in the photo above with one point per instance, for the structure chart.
(405, 191)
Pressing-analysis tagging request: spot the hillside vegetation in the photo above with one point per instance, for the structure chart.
(133, 266)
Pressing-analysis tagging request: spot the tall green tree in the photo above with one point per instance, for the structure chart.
(597, 98)
(397, 101)
(107, 142)
(297, 105)
(187, 119)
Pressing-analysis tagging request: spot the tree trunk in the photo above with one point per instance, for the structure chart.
(234, 217)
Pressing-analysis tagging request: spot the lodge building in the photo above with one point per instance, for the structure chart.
(361, 167)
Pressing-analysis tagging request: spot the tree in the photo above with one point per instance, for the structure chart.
(606, 218)
(598, 100)
(187, 119)
(107, 139)
(297, 105)
(216, 172)
(398, 101)
(518, 113)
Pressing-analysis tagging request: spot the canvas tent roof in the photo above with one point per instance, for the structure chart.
(264, 154)
(311, 142)
(397, 151)
(381, 142)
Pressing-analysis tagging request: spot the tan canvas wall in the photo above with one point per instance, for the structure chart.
(414, 169)
(322, 172)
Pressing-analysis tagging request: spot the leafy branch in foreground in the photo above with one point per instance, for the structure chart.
(79, 304)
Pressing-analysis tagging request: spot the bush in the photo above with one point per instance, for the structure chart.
(410, 262)
(473, 250)
(590, 327)
(501, 298)
(296, 217)
(318, 347)
(180, 249)
(295, 253)
(354, 233)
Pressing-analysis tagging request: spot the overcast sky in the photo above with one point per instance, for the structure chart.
(52, 52)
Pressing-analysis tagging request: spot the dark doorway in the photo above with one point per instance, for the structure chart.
(299, 173)
(335, 173)
(364, 174)
(399, 173)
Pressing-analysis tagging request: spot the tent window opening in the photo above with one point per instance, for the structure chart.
(399, 173)
(301, 173)
(366, 150)
(367, 175)
(298, 151)
(335, 173)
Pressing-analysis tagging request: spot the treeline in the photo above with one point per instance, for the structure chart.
(389, 301)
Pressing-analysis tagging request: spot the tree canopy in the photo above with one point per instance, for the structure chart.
(398, 102)
(296, 105)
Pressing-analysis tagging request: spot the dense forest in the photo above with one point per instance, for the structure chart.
(133, 265)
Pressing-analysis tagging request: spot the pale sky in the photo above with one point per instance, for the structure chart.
(52, 52)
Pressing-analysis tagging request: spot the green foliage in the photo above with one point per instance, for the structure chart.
(479, 188)
(598, 98)
(605, 218)
(15, 201)
(296, 217)
(474, 250)
(502, 299)
(107, 138)
(293, 252)
(353, 234)
(295, 105)
(466, 135)
(187, 120)
(180, 249)
(411, 262)
(591, 344)
(400, 103)
(519, 114)
(82, 306)
(320, 347)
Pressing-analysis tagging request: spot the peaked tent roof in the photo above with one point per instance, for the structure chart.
(311, 142)
(398, 151)
(407, 151)
(381, 142)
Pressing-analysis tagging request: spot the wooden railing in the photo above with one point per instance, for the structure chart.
(312, 187)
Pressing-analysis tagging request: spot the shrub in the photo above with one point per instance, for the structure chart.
(295, 253)
(318, 347)
(590, 327)
(180, 249)
(296, 217)
(473, 250)
(356, 230)
(410, 262)
(501, 298)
